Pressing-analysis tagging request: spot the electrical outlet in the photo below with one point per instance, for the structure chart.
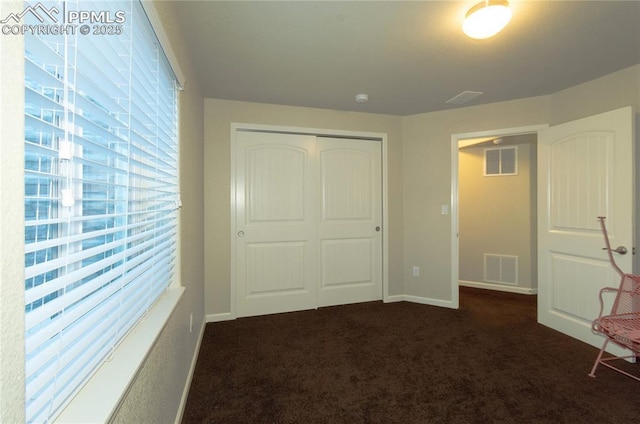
(415, 271)
(191, 322)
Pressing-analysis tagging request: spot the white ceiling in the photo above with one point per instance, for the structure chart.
(408, 56)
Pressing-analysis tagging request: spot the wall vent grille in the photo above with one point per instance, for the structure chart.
(501, 269)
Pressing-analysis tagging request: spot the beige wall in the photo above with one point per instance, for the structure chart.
(219, 114)
(610, 92)
(427, 184)
(496, 214)
(427, 164)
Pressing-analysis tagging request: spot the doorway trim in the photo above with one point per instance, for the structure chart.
(318, 132)
(455, 241)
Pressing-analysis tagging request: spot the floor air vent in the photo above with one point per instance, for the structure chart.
(501, 269)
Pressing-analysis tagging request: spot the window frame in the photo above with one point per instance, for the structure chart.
(500, 172)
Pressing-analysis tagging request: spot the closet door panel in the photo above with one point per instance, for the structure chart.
(276, 241)
(350, 222)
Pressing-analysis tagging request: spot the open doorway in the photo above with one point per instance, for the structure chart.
(497, 213)
(494, 243)
(572, 268)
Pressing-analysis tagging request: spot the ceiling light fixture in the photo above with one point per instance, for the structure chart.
(486, 19)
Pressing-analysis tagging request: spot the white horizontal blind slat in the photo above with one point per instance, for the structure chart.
(93, 269)
(73, 258)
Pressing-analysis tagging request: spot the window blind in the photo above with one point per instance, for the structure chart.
(101, 195)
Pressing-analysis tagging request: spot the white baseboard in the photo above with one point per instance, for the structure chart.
(394, 298)
(227, 316)
(420, 300)
(498, 287)
(224, 316)
(187, 386)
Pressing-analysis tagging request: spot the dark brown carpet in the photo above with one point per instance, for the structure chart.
(488, 362)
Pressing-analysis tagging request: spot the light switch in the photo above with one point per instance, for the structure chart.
(444, 209)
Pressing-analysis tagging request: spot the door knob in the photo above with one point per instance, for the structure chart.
(377, 228)
(620, 250)
(240, 233)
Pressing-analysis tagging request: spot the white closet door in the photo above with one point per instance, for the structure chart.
(308, 215)
(276, 240)
(350, 221)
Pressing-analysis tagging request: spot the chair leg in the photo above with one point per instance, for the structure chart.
(595, 365)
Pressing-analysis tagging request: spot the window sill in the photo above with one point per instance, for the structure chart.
(99, 399)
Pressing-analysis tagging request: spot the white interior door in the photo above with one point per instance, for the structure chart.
(585, 170)
(308, 222)
(350, 221)
(276, 247)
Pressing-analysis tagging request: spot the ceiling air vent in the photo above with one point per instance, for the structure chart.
(464, 97)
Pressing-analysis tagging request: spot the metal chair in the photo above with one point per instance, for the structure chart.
(622, 325)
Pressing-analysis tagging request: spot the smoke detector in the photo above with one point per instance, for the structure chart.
(362, 98)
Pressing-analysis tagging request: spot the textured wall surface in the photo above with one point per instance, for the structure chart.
(11, 222)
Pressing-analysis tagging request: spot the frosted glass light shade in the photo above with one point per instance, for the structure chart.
(486, 19)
